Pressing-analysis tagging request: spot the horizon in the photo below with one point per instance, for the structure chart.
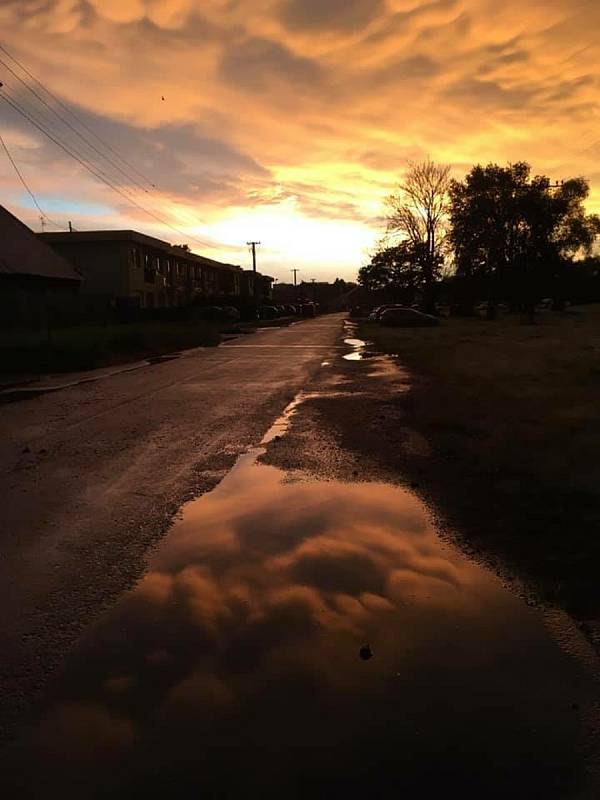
(367, 85)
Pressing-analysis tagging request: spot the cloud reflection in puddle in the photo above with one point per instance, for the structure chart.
(246, 631)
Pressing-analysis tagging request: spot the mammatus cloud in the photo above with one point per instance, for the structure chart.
(302, 111)
(316, 15)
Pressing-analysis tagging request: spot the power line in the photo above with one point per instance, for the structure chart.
(66, 122)
(75, 152)
(73, 115)
(24, 182)
(97, 173)
(42, 120)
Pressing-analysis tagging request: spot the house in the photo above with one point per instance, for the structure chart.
(143, 271)
(33, 278)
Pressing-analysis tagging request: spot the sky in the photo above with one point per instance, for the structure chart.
(288, 121)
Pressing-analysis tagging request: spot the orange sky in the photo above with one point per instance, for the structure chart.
(289, 121)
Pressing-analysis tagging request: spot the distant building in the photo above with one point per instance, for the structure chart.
(256, 285)
(144, 271)
(33, 277)
(330, 296)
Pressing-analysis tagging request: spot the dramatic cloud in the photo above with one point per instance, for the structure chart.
(289, 120)
(335, 14)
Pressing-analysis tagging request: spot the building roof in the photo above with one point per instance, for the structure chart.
(22, 253)
(132, 236)
(259, 275)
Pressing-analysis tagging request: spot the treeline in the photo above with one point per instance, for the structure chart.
(500, 235)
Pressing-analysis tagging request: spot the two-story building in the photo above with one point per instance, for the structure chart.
(142, 270)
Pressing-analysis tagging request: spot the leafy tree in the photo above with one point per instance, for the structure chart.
(417, 214)
(397, 269)
(518, 232)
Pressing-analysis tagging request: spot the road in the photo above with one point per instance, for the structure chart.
(304, 629)
(95, 473)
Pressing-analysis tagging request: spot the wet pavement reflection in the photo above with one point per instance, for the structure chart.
(236, 668)
(358, 346)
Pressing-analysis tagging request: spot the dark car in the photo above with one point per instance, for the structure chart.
(231, 313)
(407, 318)
(375, 315)
(268, 312)
(309, 310)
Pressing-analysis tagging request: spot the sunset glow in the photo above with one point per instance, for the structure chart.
(289, 121)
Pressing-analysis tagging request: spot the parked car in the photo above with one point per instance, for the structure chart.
(231, 313)
(407, 318)
(375, 315)
(268, 312)
(309, 310)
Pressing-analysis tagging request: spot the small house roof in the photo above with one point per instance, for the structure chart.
(22, 253)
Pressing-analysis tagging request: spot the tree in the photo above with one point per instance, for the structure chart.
(572, 233)
(516, 232)
(397, 269)
(417, 214)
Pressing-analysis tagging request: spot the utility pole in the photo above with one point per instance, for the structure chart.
(70, 227)
(43, 223)
(295, 271)
(253, 246)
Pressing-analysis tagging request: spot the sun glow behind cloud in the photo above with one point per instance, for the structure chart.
(317, 246)
(290, 120)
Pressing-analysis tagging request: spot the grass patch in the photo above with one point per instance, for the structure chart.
(513, 414)
(75, 349)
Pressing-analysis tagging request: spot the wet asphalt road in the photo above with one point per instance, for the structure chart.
(94, 474)
(302, 629)
(236, 665)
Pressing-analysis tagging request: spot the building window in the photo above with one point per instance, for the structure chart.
(148, 271)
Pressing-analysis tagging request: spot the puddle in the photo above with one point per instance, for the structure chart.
(357, 353)
(236, 667)
(282, 423)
